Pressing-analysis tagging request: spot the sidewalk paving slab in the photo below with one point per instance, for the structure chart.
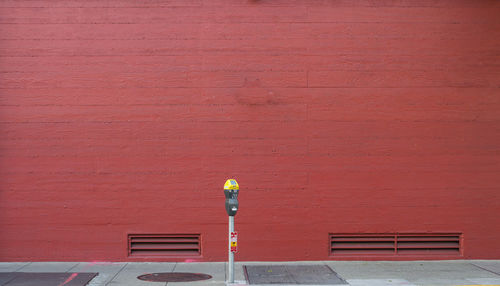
(107, 271)
(433, 281)
(12, 266)
(413, 271)
(45, 278)
(199, 283)
(484, 281)
(292, 274)
(490, 265)
(127, 276)
(216, 269)
(239, 273)
(379, 282)
(48, 267)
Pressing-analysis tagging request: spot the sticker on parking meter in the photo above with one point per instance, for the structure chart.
(234, 241)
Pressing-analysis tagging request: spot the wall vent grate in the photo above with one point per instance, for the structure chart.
(160, 245)
(396, 244)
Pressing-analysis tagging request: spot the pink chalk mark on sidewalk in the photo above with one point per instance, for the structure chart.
(71, 277)
(96, 262)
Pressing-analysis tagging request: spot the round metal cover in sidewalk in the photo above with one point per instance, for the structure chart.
(174, 277)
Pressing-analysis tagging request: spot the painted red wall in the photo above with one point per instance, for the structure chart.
(354, 116)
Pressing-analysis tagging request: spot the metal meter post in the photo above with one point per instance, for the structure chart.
(231, 190)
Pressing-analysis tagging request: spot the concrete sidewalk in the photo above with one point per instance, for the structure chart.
(356, 273)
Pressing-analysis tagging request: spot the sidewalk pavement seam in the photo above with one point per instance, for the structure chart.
(111, 280)
(173, 270)
(17, 270)
(74, 266)
(485, 269)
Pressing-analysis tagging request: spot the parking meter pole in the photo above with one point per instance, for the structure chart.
(231, 254)
(231, 190)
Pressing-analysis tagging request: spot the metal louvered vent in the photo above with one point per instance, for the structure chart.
(157, 245)
(438, 244)
(425, 244)
(360, 245)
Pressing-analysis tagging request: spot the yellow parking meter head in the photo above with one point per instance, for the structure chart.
(231, 184)
(231, 190)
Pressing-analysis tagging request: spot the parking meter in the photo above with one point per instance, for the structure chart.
(231, 190)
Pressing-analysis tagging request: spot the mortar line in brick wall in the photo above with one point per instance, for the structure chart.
(262, 121)
(290, 87)
(236, 52)
(244, 22)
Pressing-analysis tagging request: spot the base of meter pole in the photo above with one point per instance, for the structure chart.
(231, 254)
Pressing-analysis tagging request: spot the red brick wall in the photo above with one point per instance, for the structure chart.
(334, 116)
